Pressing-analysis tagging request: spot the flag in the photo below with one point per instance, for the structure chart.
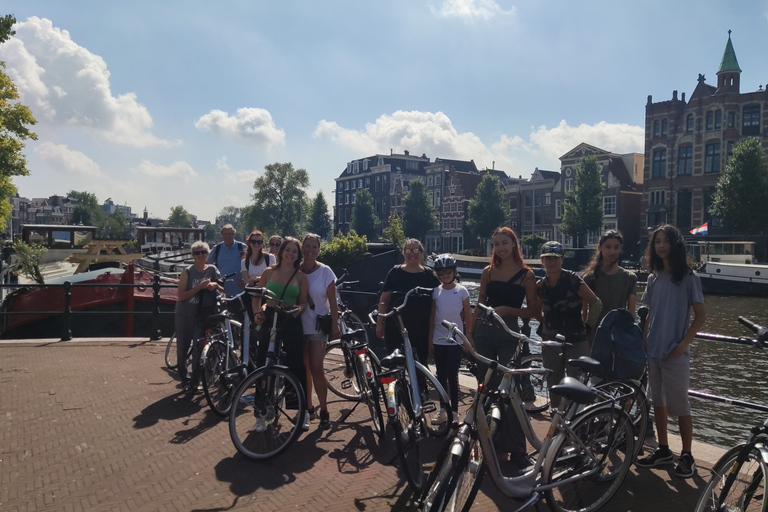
(701, 230)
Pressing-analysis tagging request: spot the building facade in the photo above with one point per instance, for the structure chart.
(688, 143)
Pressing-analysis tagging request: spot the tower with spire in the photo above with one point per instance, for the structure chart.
(729, 74)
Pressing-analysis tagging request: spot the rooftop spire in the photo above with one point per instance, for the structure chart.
(729, 62)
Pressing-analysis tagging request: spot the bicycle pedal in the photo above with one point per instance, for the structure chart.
(429, 407)
(346, 384)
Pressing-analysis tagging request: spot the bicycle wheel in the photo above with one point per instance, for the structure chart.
(220, 379)
(436, 498)
(267, 413)
(606, 433)
(369, 390)
(170, 353)
(433, 399)
(407, 438)
(349, 321)
(540, 400)
(634, 401)
(736, 487)
(340, 379)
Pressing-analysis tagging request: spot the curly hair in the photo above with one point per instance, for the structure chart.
(678, 258)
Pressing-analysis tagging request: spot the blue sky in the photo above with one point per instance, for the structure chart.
(158, 104)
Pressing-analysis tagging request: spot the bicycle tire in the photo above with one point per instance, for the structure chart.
(433, 399)
(336, 374)
(407, 438)
(539, 383)
(438, 494)
(744, 489)
(349, 321)
(171, 360)
(267, 413)
(607, 434)
(636, 405)
(219, 379)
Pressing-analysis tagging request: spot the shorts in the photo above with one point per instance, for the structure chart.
(668, 384)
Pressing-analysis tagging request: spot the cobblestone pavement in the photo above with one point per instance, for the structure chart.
(101, 425)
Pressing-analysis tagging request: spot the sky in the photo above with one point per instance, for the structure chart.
(159, 104)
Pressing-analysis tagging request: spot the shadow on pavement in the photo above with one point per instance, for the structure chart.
(172, 407)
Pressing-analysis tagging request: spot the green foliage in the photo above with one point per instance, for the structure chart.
(394, 231)
(583, 209)
(28, 257)
(742, 192)
(418, 215)
(488, 209)
(117, 225)
(87, 211)
(364, 221)
(279, 199)
(210, 232)
(15, 118)
(343, 250)
(533, 243)
(319, 218)
(232, 215)
(179, 217)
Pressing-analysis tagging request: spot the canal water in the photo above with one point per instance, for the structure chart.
(720, 368)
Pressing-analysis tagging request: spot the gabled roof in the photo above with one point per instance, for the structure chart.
(547, 175)
(459, 165)
(729, 62)
(703, 89)
(619, 170)
(583, 150)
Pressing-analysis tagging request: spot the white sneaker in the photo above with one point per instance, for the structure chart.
(305, 426)
(261, 424)
(441, 417)
(456, 418)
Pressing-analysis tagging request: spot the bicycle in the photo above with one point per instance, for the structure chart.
(411, 394)
(738, 481)
(269, 405)
(222, 367)
(582, 461)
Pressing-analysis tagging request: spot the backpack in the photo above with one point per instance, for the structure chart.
(618, 345)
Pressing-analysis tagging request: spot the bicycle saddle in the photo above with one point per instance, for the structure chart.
(393, 360)
(587, 364)
(574, 390)
(353, 335)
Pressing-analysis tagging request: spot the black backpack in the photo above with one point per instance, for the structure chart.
(618, 345)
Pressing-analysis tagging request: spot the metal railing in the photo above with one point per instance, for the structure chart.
(67, 313)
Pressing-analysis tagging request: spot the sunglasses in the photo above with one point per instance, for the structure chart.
(274, 244)
(412, 251)
(198, 253)
(256, 242)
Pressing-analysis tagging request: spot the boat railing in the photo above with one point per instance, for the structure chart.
(67, 312)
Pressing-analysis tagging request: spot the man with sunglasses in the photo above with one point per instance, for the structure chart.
(226, 257)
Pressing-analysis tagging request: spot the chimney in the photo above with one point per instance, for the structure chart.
(406, 153)
(674, 95)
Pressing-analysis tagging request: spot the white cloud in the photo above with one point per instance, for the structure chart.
(251, 127)
(245, 176)
(65, 84)
(470, 9)
(60, 157)
(180, 170)
(435, 135)
(617, 138)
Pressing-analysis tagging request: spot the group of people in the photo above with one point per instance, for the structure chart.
(563, 302)
(290, 270)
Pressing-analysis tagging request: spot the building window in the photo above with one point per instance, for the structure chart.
(367, 182)
(378, 205)
(360, 183)
(728, 151)
(663, 127)
(731, 119)
(437, 180)
(513, 203)
(710, 120)
(527, 218)
(685, 161)
(609, 206)
(558, 208)
(353, 184)
(411, 165)
(689, 124)
(751, 120)
(712, 158)
(377, 184)
(658, 197)
(656, 128)
(380, 161)
(527, 199)
(460, 206)
(365, 165)
(346, 199)
(445, 207)
(684, 209)
(355, 167)
(569, 184)
(659, 169)
(346, 185)
(430, 181)
(548, 198)
(718, 119)
(437, 198)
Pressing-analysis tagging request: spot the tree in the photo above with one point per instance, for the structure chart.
(533, 243)
(394, 230)
(179, 218)
(488, 209)
(583, 209)
(741, 195)
(28, 258)
(88, 210)
(319, 218)
(279, 199)
(233, 215)
(364, 221)
(418, 215)
(14, 121)
(343, 250)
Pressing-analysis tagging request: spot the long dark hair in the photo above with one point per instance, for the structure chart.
(678, 259)
(288, 240)
(249, 251)
(597, 259)
(516, 254)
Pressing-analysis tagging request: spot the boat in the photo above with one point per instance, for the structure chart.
(722, 278)
(36, 311)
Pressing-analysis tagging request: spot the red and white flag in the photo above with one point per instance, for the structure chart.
(701, 230)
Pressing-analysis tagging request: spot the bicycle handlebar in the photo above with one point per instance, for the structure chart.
(490, 313)
(761, 341)
(453, 331)
(419, 290)
(221, 281)
(762, 332)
